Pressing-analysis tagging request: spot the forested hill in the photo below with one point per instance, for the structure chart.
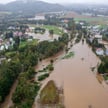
(34, 6)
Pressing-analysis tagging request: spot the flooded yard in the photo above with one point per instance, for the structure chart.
(43, 37)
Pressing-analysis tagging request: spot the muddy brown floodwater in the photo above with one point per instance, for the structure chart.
(81, 88)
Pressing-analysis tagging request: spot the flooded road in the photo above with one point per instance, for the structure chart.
(81, 88)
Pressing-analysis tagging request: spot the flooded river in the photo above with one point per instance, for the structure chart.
(81, 88)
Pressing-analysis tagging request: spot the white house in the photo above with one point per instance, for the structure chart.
(38, 17)
(2, 47)
(5, 46)
(99, 51)
(11, 28)
(99, 37)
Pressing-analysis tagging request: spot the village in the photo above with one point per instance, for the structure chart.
(46, 35)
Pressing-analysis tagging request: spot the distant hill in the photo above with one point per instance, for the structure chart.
(80, 6)
(33, 6)
(2, 7)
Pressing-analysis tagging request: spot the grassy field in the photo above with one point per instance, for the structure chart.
(56, 30)
(10, 54)
(49, 94)
(69, 55)
(42, 77)
(25, 43)
(94, 20)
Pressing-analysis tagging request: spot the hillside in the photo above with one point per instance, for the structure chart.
(31, 6)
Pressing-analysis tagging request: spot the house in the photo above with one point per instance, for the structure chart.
(87, 14)
(96, 27)
(65, 21)
(99, 51)
(6, 46)
(84, 27)
(29, 40)
(38, 17)
(31, 29)
(2, 47)
(98, 37)
(91, 39)
(81, 23)
(17, 33)
(11, 28)
(89, 27)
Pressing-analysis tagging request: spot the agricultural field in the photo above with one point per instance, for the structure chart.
(92, 20)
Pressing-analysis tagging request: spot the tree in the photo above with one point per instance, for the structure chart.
(17, 42)
(51, 32)
(9, 35)
(72, 27)
(8, 73)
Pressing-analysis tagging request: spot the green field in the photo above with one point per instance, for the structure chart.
(49, 94)
(56, 30)
(69, 55)
(25, 43)
(94, 20)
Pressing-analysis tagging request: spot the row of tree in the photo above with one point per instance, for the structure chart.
(103, 67)
(9, 71)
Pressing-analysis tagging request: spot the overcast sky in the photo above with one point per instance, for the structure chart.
(66, 1)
